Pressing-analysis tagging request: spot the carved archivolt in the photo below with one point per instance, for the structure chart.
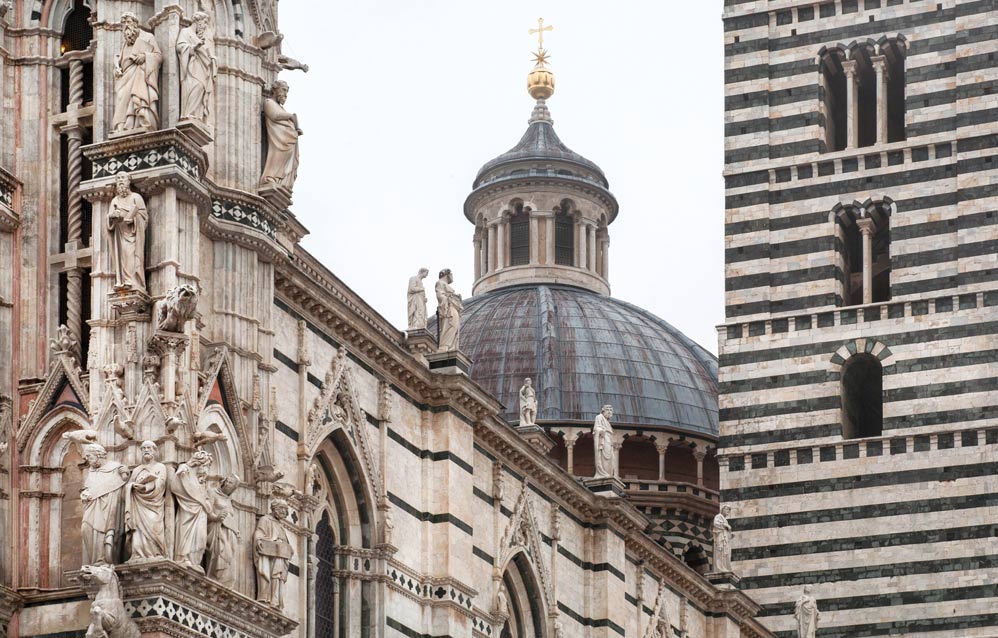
(63, 370)
(522, 534)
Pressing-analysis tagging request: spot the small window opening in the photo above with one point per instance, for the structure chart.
(564, 236)
(862, 397)
(519, 237)
(835, 105)
(78, 33)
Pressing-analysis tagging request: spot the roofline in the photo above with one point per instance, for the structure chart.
(507, 183)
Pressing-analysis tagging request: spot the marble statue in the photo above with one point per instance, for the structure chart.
(416, 298)
(191, 523)
(145, 506)
(136, 79)
(389, 528)
(603, 443)
(271, 555)
(198, 68)
(126, 222)
(223, 533)
(807, 614)
(449, 309)
(108, 618)
(528, 403)
(281, 168)
(101, 499)
(502, 605)
(177, 308)
(722, 540)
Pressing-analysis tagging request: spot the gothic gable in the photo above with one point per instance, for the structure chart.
(63, 379)
(523, 534)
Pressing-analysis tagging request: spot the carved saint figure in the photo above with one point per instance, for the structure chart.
(722, 540)
(271, 555)
(281, 168)
(807, 614)
(126, 221)
(223, 533)
(191, 524)
(198, 68)
(101, 498)
(528, 402)
(145, 506)
(416, 298)
(603, 443)
(136, 79)
(449, 309)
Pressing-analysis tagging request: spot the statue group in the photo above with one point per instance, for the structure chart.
(173, 514)
(137, 92)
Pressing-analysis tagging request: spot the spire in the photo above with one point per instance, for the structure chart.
(540, 80)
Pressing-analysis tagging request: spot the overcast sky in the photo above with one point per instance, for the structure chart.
(406, 99)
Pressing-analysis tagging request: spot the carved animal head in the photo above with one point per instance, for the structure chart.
(99, 574)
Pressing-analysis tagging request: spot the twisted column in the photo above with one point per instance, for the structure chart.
(74, 226)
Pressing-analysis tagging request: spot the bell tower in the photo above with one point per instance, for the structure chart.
(541, 211)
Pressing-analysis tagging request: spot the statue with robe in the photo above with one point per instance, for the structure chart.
(449, 309)
(198, 68)
(416, 300)
(136, 80)
(223, 533)
(188, 485)
(126, 222)
(146, 497)
(807, 614)
(721, 529)
(101, 499)
(272, 554)
(281, 167)
(528, 403)
(603, 443)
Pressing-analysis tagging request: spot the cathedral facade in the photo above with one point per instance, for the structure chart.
(857, 357)
(204, 433)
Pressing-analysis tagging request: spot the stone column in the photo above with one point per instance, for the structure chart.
(74, 175)
(478, 255)
(501, 229)
(549, 257)
(336, 606)
(616, 458)
(591, 247)
(581, 243)
(880, 66)
(852, 104)
(570, 440)
(492, 247)
(661, 448)
(534, 238)
(606, 257)
(866, 229)
(700, 454)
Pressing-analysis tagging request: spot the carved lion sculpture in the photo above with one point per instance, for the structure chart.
(177, 308)
(108, 618)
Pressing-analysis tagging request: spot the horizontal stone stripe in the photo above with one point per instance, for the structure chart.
(403, 629)
(481, 553)
(427, 454)
(286, 360)
(779, 436)
(889, 599)
(864, 481)
(286, 430)
(781, 305)
(779, 249)
(930, 127)
(746, 73)
(748, 100)
(590, 622)
(947, 282)
(914, 260)
(746, 21)
(431, 518)
(751, 99)
(785, 278)
(896, 627)
(593, 567)
(816, 577)
(736, 155)
(819, 348)
(941, 417)
(777, 408)
(879, 541)
(861, 512)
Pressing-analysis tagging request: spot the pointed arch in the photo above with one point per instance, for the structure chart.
(525, 598)
(218, 387)
(523, 535)
(62, 374)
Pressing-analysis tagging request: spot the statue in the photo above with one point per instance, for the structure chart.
(281, 168)
(603, 443)
(108, 618)
(198, 68)
(271, 555)
(449, 309)
(177, 308)
(127, 224)
(389, 528)
(223, 533)
(417, 301)
(722, 540)
(528, 403)
(101, 498)
(191, 525)
(136, 79)
(502, 605)
(145, 506)
(807, 614)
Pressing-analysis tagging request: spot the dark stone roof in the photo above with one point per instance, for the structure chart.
(540, 142)
(584, 350)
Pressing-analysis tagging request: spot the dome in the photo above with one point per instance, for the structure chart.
(583, 350)
(541, 143)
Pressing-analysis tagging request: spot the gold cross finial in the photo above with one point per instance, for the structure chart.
(540, 32)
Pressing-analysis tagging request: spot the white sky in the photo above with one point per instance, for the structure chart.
(405, 100)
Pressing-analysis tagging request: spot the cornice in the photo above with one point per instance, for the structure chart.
(521, 183)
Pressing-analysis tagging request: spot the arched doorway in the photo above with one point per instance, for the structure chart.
(524, 600)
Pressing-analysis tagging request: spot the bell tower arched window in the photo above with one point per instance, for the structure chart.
(862, 397)
(833, 92)
(865, 252)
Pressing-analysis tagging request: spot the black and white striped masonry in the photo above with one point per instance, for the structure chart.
(859, 354)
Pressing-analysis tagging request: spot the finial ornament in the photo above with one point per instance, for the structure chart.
(540, 33)
(540, 82)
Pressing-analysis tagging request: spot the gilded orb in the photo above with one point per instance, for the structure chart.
(540, 83)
